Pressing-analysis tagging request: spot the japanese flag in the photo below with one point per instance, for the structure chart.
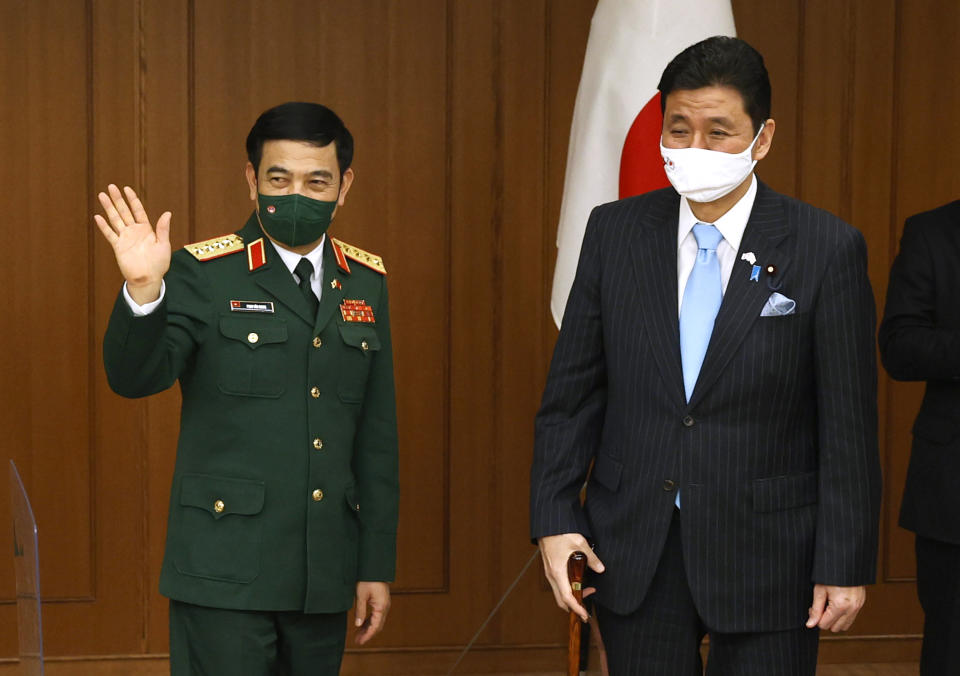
(614, 149)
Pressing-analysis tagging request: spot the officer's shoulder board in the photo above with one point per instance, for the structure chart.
(216, 247)
(343, 251)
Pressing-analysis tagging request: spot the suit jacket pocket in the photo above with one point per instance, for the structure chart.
(777, 493)
(218, 535)
(934, 429)
(252, 356)
(361, 343)
(606, 472)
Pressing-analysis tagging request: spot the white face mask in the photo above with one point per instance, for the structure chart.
(704, 175)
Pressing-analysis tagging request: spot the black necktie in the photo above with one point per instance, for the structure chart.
(304, 270)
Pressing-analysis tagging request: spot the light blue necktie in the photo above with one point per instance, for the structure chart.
(701, 301)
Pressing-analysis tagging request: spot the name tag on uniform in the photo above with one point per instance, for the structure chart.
(251, 306)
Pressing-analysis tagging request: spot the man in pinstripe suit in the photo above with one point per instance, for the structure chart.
(735, 486)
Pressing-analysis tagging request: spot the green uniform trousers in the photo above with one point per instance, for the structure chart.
(219, 642)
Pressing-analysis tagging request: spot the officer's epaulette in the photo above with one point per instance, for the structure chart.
(209, 249)
(342, 250)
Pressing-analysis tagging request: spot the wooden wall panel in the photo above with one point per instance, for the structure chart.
(519, 268)
(166, 179)
(461, 113)
(776, 30)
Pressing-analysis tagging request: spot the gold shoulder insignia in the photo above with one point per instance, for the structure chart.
(209, 249)
(372, 261)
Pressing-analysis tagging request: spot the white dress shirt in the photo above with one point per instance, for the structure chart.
(315, 256)
(731, 225)
(289, 258)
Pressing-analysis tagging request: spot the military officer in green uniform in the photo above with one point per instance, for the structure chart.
(283, 509)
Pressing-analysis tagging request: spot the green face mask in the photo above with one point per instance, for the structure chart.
(294, 220)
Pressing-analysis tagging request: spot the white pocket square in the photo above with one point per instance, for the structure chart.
(778, 305)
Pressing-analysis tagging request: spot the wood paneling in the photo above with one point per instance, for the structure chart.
(461, 112)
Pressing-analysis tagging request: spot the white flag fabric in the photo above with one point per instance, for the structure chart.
(615, 135)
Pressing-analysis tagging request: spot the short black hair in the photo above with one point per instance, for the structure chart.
(296, 121)
(721, 61)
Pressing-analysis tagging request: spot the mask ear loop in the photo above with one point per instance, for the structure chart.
(756, 138)
(256, 210)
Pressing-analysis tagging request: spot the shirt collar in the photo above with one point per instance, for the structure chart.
(731, 225)
(315, 256)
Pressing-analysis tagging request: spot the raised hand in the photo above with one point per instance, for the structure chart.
(143, 254)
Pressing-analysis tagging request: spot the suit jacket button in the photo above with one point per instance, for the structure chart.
(218, 506)
(317, 495)
(688, 421)
(318, 443)
(315, 392)
(317, 342)
(668, 485)
(252, 337)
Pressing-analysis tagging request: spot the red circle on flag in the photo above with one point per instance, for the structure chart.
(641, 165)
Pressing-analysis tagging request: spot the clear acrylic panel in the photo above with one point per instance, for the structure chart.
(27, 571)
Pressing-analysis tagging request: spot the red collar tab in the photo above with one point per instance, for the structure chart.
(338, 253)
(256, 254)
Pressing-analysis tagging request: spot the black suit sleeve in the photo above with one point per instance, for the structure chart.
(846, 374)
(570, 419)
(912, 344)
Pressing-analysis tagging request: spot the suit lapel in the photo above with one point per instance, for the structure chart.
(654, 253)
(744, 300)
(333, 293)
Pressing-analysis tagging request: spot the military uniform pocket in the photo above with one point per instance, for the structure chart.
(219, 527)
(361, 343)
(252, 356)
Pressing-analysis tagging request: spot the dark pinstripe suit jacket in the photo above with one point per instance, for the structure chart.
(775, 454)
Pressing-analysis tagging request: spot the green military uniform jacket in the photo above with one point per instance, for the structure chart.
(285, 489)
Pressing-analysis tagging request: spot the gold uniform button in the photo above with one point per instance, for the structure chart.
(317, 342)
(317, 495)
(318, 443)
(364, 346)
(218, 506)
(252, 337)
(315, 392)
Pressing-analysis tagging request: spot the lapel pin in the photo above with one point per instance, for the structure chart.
(773, 283)
(749, 257)
(755, 273)
(335, 284)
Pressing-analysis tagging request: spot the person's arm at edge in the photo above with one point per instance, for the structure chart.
(913, 346)
(568, 425)
(376, 465)
(849, 473)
